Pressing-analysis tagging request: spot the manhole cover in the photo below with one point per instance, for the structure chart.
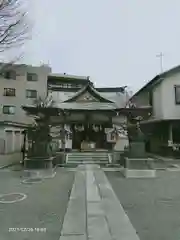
(32, 180)
(12, 197)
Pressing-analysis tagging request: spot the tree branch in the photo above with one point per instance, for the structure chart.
(14, 24)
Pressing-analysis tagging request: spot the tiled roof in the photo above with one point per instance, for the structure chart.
(118, 98)
(107, 100)
(88, 88)
(87, 106)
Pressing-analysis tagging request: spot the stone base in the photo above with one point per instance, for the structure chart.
(38, 163)
(138, 163)
(30, 174)
(137, 150)
(135, 173)
(39, 173)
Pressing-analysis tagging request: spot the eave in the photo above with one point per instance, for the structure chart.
(54, 111)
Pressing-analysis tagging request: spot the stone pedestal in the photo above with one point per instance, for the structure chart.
(139, 168)
(137, 150)
(38, 163)
(136, 162)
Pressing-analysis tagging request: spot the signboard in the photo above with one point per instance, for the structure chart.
(170, 143)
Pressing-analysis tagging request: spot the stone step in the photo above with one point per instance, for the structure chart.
(84, 153)
(87, 162)
(85, 158)
(97, 156)
(88, 153)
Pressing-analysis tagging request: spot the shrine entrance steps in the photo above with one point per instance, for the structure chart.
(91, 157)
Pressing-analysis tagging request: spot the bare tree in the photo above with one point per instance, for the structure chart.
(15, 29)
(14, 24)
(45, 102)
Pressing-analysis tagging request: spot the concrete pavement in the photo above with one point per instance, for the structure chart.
(43, 208)
(94, 212)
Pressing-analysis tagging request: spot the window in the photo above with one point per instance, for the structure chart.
(32, 77)
(11, 92)
(177, 94)
(31, 93)
(9, 110)
(10, 75)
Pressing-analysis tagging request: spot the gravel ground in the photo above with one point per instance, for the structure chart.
(153, 205)
(44, 206)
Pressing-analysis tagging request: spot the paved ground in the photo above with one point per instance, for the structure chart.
(91, 210)
(94, 212)
(153, 205)
(44, 207)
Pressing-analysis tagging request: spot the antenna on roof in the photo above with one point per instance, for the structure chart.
(160, 56)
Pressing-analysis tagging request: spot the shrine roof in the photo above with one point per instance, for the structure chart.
(89, 88)
(86, 106)
(118, 97)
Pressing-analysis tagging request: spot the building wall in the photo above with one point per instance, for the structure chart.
(157, 102)
(11, 140)
(60, 96)
(163, 99)
(119, 120)
(142, 99)
(8, 159)
(21, 84)
(169, 108)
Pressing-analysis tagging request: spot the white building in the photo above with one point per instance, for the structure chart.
(20, 84)
(163, 94)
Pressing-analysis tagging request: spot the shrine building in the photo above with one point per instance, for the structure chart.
(92, 118)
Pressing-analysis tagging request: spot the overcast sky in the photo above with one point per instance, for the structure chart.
(114, 42)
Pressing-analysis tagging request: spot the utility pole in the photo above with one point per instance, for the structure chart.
(160, 56)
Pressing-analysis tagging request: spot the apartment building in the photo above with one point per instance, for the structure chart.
(20, 84)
